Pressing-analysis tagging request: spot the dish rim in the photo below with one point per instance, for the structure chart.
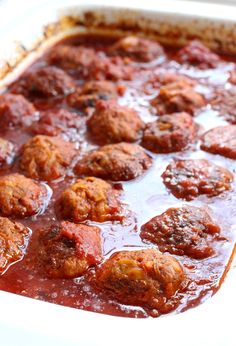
(34, 311)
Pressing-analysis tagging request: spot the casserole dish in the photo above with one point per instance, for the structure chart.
(97, 18)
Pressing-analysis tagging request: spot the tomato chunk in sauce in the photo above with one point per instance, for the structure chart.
(117, 187)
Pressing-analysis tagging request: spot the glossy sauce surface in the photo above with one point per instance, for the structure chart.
(143, 198)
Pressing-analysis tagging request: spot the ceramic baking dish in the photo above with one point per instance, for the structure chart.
(30, 30)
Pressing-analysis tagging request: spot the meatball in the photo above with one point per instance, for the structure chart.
(112, 123)
(13, 241)
(182, 231)
(137, 48)
(21, 196)
(178, 97)
(46, 158)
(47, 81)
(92, 92)
(225, 103)
(232, 77)
(190, 178)
(90, 199)
(221, 140)
(72, 59)
(196, 54)
(111, 68)
(57, 122)
(15, 111)
(141, 277)
(7, 152)
(123, 161)
(165, 76)
(169, 133)
(68, 250)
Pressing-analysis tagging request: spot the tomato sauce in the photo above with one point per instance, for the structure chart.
(142, 198)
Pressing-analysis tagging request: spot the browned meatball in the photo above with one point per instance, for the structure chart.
(225, 103)
(178, 97)
(169, 133)
(13, 241)
(73, 59)
(57, 122)
(92, 92)
(15, 111)
(47, 81)
(46, 158)
(123, 161)
(141, 277)
(190, 178)
(68, 250)
(232, 77)
(165, 76)
(196, 54)
(90, 199)
(182, 231)
(7, 152)
(221, 140)
(112, 123)
(111, 68)
(21, 197)
(137, 48)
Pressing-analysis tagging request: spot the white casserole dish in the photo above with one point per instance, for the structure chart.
(25, 321)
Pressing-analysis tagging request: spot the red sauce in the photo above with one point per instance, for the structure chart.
(143, 198)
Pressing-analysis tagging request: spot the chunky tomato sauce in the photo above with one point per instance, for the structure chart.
(142, 198)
